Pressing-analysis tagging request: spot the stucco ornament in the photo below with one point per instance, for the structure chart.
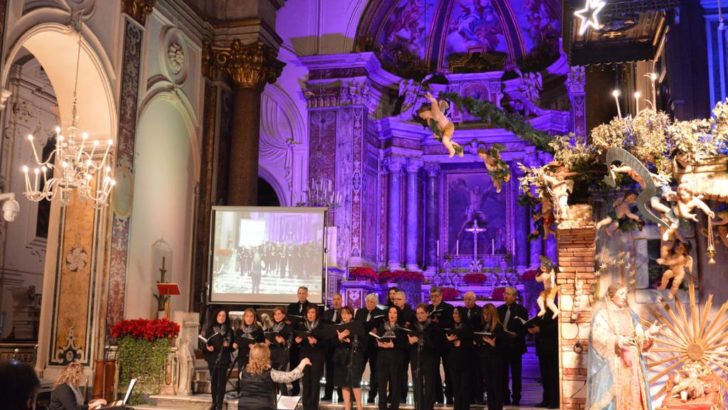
(175, 57)
(76, 259)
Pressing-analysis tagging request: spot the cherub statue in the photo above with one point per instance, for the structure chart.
(559, 188)
(497, 168)
(678, 261)
(684, 202)
(441, 126)
(543, 218)
(550, 290)
(620, 213)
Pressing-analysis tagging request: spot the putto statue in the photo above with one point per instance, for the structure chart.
(441, 126)
(550, 290)
(677, 262)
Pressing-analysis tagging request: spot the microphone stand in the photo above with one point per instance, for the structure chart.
(418, 374)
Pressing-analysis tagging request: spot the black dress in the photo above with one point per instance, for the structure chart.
(425, 357)
(257, 391)
(491, 364)
(349, 356)
(316, 353)
(371, 319)
(218, 361)
(459, 360)
(279, 352)
(389, 366)
(244, 337)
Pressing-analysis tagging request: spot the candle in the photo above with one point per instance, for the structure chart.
(513, 245)
(492, 246)
(616, 94)
(437, 249)
(653, 78)
(457, 247)
(637, 96)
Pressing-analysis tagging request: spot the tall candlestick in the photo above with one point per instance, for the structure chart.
(457, 247)
(437, 249)
(492, 247)
(513, 246)
(637, 96)
(653, 79)
(616, 94)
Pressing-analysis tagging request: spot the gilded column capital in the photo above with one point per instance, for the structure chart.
(138, 9)
(248, 65)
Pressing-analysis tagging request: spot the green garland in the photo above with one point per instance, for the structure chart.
(490, 113)
(145, 361)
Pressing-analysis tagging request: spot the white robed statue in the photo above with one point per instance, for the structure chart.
(617, 374)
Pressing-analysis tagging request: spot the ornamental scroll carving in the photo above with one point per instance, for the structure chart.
(248, 65)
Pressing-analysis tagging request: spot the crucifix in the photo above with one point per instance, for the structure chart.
(475, 230)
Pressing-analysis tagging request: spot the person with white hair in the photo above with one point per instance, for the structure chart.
(370, 316)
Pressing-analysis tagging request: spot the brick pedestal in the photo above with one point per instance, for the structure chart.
(576, 279)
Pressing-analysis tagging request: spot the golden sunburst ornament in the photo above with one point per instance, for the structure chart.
(691, 337)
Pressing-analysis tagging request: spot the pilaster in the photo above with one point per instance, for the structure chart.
(576, 87)
(432, 170)
(394, 237)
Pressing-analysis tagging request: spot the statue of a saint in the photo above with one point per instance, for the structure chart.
(617, 374)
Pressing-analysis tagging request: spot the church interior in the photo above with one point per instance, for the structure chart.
(162, 161)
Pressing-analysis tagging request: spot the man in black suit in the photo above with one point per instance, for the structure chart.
(371, 316)
(441, 313)
(331, 316)
(473, 316)
(405, 318)
(294, 314)
(546, 333)
(513, 316)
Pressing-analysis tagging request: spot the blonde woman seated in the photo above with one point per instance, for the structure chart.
(258, 380)
(67, 395)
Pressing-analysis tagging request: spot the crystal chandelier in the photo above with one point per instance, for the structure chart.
(75, 164)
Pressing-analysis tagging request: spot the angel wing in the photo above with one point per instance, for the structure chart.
(649, 189)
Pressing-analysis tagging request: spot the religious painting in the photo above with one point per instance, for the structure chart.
(471, 203)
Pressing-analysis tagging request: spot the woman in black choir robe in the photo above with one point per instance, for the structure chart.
(349, 357)
(389, 360)
(248, 333)
(217, 354)
(460, 353)
(310, 337)
(279, 337)
(490, 341)
(425, 342)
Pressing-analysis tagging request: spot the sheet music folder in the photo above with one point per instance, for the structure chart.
(168, 289)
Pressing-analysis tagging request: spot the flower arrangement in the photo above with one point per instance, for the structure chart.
(363, 273)
(474, 278)
(449, 293)
(146, 329)
(143, 348)
(399, 275)
(498, 293)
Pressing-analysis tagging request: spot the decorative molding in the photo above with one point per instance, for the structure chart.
(353, 92)
(248, 65)
(175, 57)
(138, 9)
(432, 169)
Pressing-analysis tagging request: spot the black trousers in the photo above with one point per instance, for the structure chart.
(460, 376)
(513, 362)
(448, 380)
(548, 363)
(476, 385)
(294, 354)
(370, 356)
(492, 371)
(329, 367)
(218, 375)
(279, 361)
(312, 381)
(424, 371)
(389, 371)
(406, 358)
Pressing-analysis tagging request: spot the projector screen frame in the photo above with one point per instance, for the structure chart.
(211, 250)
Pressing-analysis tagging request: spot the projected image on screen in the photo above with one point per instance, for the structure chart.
(262, 255)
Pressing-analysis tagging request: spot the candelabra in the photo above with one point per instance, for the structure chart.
(321, 193)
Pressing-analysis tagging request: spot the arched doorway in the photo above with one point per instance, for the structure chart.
(267, 196)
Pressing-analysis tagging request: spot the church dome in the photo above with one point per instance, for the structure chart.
(415, 37)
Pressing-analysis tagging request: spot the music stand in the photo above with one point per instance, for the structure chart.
(167, 289)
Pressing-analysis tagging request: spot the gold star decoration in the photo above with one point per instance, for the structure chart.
(589, 15)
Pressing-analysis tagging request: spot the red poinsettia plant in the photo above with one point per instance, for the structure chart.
(363, 273)
(530, 274)
(400, 275)
(474, 278)
(498, 293)
(146, 329)
(449, 293)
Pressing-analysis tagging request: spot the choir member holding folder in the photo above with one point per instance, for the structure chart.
(441, 313)
(392, 345)
(460, 353)
(348, 357)
(279, 337)
(490, 341)
(249, 333)
(294, 316)
(311, 338)
(218, 339)
(371, 316)
(425, 341)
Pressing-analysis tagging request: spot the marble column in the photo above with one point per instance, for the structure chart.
(522, 225)
(250, 67)
(413, 167)
(431, 216)
(394, 237)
